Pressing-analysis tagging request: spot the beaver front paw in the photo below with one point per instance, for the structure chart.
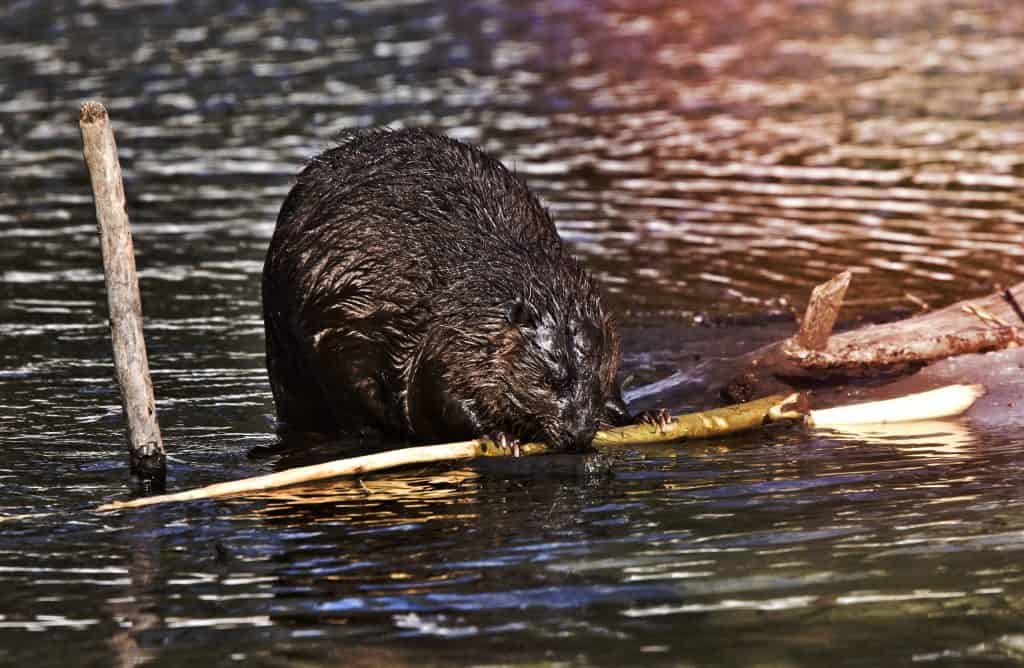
(660, 419)
(509, 444)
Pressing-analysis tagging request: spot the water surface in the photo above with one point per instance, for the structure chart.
(709, 162)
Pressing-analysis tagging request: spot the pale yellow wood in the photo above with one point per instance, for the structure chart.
(943, 402)
(708, 424)
(698, 425)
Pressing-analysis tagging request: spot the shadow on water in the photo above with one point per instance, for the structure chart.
(709, 162)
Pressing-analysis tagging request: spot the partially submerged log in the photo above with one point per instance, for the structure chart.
(978, 325)
(899, 346)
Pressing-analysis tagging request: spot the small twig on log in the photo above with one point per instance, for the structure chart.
(822, 312)
(1014, 304)
(917, 301)
(984, 316)
(717, 422)
(147, 459)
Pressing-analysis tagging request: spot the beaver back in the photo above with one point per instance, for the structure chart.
(415, 286)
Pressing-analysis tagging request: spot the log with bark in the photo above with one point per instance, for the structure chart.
(815, 357)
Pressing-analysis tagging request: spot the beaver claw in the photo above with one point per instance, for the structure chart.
(660, 419)
(512, 444)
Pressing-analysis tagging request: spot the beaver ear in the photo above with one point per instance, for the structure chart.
(520, 314)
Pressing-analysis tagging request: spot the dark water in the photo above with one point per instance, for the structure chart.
(707, 160)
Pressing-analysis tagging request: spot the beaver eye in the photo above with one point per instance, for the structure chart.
(580, 342)
(557, 380)
(520, 314)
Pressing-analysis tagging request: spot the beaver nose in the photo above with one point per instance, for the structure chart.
(579, 434)
(583, 438)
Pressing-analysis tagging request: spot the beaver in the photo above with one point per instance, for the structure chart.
(416, 287)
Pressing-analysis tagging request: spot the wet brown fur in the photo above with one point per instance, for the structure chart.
(416, 287)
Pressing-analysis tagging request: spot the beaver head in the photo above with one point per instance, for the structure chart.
(535, 362)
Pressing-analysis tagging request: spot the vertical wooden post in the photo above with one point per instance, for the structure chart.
(146, 450)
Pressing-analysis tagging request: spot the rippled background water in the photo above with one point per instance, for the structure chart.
(709, 161)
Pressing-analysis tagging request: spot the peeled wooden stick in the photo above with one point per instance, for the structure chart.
(718, 422)
(130, 361)
(698, 425)
(707, 424)
(426, 454)
(943, 402)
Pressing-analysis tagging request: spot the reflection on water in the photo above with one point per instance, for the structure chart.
(934, 439)
(707, 160)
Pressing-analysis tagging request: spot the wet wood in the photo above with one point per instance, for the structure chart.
(711, 423)
(146, 453)
(945, 402)
(971, 326)
(717, 422)
(899, 346)
(822, 313)
(932, 405)
(333, 469)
